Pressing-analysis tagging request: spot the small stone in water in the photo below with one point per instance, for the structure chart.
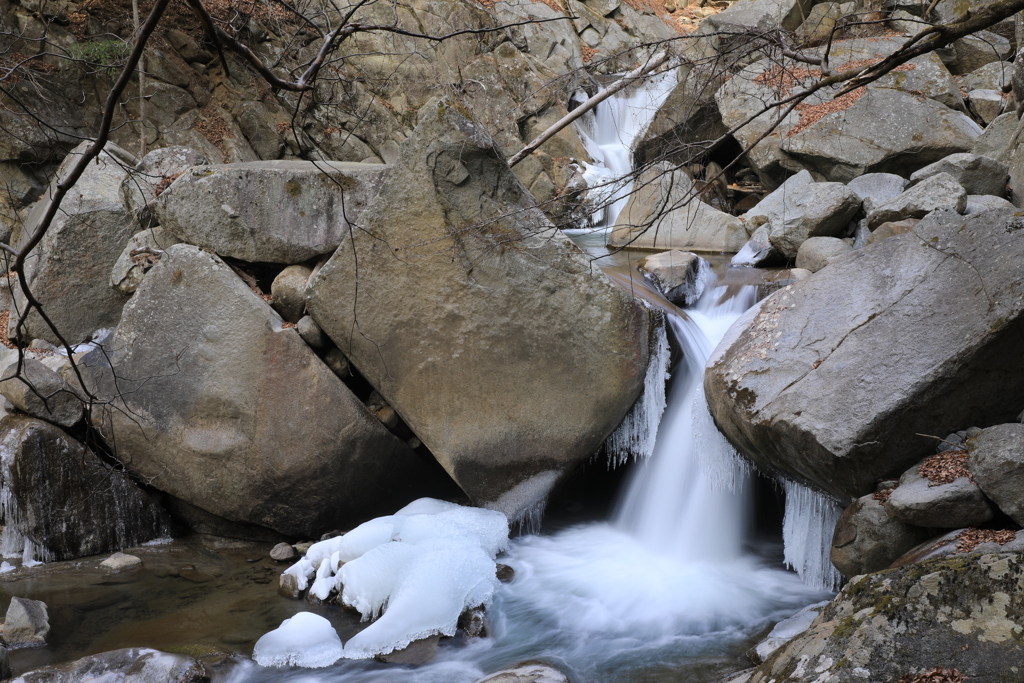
(505, 573)
(289, 587)
(282, 552)
(119, 562)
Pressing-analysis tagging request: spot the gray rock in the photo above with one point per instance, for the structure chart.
(141, 253)
(288, 292)
(767, 381)
(875, 189)
(758, 251)
(757, 15)
(774, 203)
(986, 105)
(980, 203)
(977, 174)
(36, 389)
(70, 269)
(818, 252)
(891, 229)
(338, 363)
(665, 212)
(957, 504)
(812, 210)
(861, 234)
(847, 144)
(71, 504)
(268, 211)
(288, 587)
(933, 192)
(680, 275)
(221, 407)
(526, 673)
(130, 665)
(957, 612)
(311, 332)
(997, 462)
(283, 552)
(978, 49)
(822, 21)
(996, 142)
(186, 46)
(948, 545)
(991, 76)
(867, 540)
(27, 623)
(155, 173)
(119, 562)
(458, 332)
(5, 664)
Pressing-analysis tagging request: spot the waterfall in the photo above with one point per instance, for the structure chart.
(686, 498)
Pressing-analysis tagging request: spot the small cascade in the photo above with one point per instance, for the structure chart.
(609, 134)
(807, 527)
(677, 501)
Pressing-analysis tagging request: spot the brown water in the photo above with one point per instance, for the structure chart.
(201, 595)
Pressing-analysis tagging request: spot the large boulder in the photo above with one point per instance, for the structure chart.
(867, 324)
(941, 504)
(65, 500)
(69, 271)
(997, 461)
(466, 297)
(153, 175)
(800, 209)
(840, 139)
(217, 404)
(976, 173)
(665, 211)
(867, 539)
(34, 386)
(847, 143)
(818, 252)
(963, 613)
(268, 211)
(934, 192)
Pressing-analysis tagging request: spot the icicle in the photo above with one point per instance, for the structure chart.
(724, 467)
(807, 528)
(635, 436)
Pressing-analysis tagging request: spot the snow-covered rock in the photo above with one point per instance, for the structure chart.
(413, 572)
(306, 640)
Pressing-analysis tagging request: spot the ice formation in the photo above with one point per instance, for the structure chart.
(724, 467)
(414, 572)
(306, 640)
(636, 435)
(807, 527)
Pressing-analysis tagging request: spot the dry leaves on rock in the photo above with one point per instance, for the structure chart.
(969, 539)
(937, 674)
(945, 468)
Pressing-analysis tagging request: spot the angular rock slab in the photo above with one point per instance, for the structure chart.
(957, 504)
(221, 407)
(867, 324)
(963, 612)
(665, 212)
(997, 461)
(268, 211)
(465, 303)
(68, 272)
(72, 504)
(977, 174)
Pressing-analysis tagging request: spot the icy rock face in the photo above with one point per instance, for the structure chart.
(413, 572)
(307, 640)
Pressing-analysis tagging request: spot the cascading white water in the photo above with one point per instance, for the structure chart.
(672, 502)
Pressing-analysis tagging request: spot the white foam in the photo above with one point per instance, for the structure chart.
(807, 527)
(306, 640)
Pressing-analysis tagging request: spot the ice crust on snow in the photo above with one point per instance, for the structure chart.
(414, 572)
(306, 640)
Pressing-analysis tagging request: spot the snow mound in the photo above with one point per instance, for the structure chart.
(414, 572)
(306, 640)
